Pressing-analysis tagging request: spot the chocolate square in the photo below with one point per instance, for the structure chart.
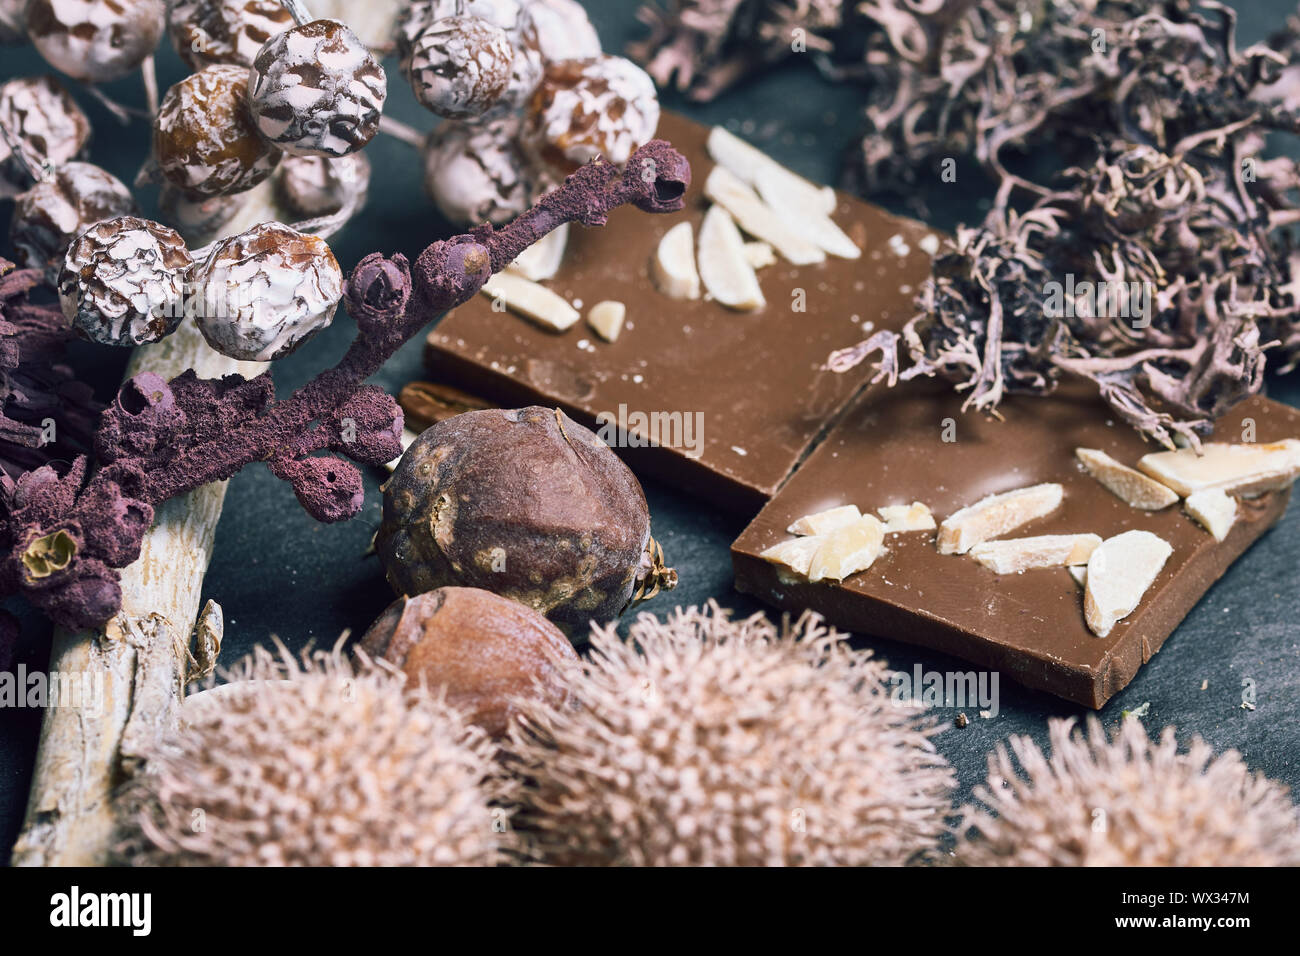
(890, 449)
(753, 381)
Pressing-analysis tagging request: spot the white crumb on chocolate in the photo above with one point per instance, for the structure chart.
(914, 517)
(1214, 510)
(997, 515)
(1129, 485)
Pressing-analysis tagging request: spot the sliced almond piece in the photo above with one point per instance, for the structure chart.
(1014, 555)
(1080, 574)
(795, 554)
(542, 259)
(760, 254)
(1129, 485)
(823, 521)
(783, 194)
(606, 319)
(532, 301)
(759, 219)
(1213, 510)
(913, 517)
(1120, 572)
(673, 267)
(726, 272)
(995, 516)
(848, 550)
(1244, 470)
(746, 161)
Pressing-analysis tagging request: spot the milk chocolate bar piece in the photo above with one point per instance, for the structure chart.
(890, 449)
(734, 400)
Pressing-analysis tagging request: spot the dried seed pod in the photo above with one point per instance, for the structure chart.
(56, 210)
(604, 106)
(223, 31)
(314, 765)
(460, 67)
(317, 90)
(123, 281)
(95, 40)
(476, 173)
(12, 29)
(39, 116)
(482, 651)
(197, 217)
(564, 31)
(310, 186)
(204, 141)
(526, 503)
(264, 292)
(458, 60)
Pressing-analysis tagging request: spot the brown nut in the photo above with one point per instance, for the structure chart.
(526, 503)
(480, 649)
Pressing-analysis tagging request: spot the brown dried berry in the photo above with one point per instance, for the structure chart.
(265, 292)
(460, 66)
(605, 106)
(224, 31)
(39, 116)
(56, 210)
(204, 141)
(95, 40)
(479, 649)
(316, 90)
(526, 503)
(123, 281)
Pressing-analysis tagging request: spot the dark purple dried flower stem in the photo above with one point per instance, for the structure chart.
(62, 541)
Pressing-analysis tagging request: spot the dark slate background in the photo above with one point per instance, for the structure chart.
(277, 572)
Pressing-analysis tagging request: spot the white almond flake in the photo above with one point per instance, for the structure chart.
(746, 162)
(795, 554)
(913, 517)
(760, 254)
(1213, 510)
(606, 318)
(1245, 470)
(1014, 555)
(532, 301)
(1080, 574)
(789, 203)
(848, 550)
(726, 272)
(759, 219)
(929, 244)
(1129, 485)
(673, 266)
(1120, 572)
(822, 522)
(995, 516)
(542, 259)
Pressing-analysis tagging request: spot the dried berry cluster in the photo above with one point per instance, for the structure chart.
(63, 535)
(1158, 121)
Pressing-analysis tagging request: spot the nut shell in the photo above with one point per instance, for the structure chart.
(204, 140)
(40, 116)
(205, 32)
(480, 650)
(57, 210)
(605, 106)
(123, 281)
(265, 292)
(95, 40)
(316, 90)
(526, 503)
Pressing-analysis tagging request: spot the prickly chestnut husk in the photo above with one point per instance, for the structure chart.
(528, 504)
(482, 651)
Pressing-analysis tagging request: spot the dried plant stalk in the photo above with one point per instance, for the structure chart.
(142, 656)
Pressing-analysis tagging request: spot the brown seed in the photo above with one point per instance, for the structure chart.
(480, 649)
